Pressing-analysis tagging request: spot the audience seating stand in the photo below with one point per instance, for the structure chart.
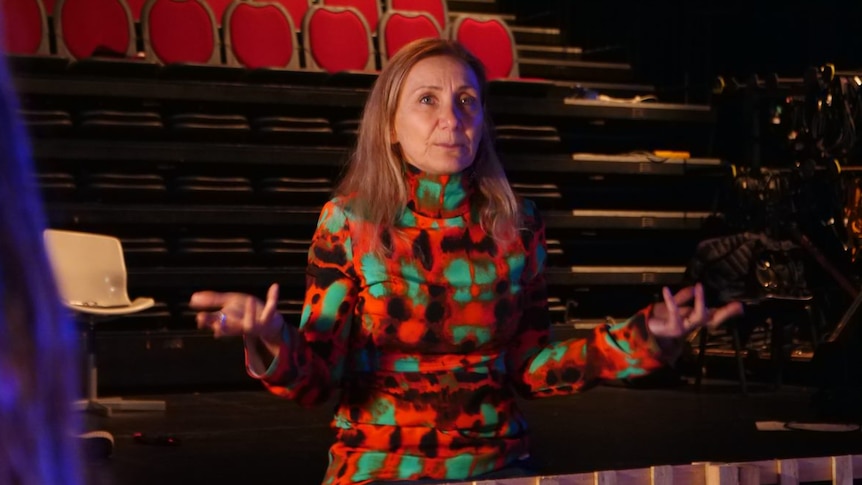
(216, 178)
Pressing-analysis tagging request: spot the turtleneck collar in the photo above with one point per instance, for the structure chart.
(438, 196)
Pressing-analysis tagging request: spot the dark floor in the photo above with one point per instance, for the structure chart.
(249, 436)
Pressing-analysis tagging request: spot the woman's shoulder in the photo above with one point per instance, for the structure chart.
(340, 204)
(336, 211)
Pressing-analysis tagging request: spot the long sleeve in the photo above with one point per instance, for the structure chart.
(539, 368)
(311, 359)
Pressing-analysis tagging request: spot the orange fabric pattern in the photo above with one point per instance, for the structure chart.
(429, 344)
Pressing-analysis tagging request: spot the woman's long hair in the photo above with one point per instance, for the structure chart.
(374, 180)
(38, 346)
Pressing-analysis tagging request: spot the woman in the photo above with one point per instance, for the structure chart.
(38, 342)
(426, 302)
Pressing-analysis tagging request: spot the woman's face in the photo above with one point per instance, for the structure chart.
(438, 121)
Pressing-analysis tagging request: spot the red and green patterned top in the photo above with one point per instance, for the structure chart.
(429, 343)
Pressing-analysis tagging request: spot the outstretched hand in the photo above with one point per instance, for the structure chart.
(231, 314)
(677, 316)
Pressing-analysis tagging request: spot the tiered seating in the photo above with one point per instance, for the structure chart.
(435, 8)
(297, 10)
(215, 180)
(369, 9)
(81, 34)
(260, 35)
(489, 39)
(178, 32)
(25, 28)
(397, 29)
(338, 39)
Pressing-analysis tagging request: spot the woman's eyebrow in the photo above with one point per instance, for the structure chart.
(434, 87)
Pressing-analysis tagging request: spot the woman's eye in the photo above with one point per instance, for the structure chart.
(468, 100)
(426, 100)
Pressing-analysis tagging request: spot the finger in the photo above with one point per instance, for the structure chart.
(250, 316)
(218, 323)
(203, 320)
(672, 318)
(721, 315)
(684, 295)
(207, 300)
(698, 315)
(271, 303)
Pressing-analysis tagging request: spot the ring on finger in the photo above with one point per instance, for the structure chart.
(222, 318)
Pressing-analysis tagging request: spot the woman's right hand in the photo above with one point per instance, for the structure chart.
(232, 314)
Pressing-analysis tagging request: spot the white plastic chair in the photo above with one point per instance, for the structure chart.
(91, 276)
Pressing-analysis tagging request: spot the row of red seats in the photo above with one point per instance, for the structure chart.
(254, 34)
(371, 9)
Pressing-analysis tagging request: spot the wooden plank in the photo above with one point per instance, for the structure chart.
(721, 474)
(842, 470)
(788, 472)
(661, 475)
(634, 476)
(608, 477)
(576, 479)
(749, 475)
(814, 469)
(689, 474)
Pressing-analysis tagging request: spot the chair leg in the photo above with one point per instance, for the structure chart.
(105, 406)
(701, 357)
(740, 364)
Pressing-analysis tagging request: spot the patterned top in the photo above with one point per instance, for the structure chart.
(429, 343)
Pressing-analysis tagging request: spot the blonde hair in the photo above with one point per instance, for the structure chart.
(374, 181)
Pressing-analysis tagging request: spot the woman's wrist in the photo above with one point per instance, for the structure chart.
(272, 337)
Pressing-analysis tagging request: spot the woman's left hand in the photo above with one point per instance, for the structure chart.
(677, 316)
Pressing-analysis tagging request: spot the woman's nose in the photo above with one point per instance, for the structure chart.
(451, 117)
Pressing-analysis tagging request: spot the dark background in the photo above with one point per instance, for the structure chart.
(674, 43)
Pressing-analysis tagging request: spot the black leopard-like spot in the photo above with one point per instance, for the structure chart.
(428, 444)
(571, 375)
(395, 440)
(434, 312)
(336, 256)
(397, 308)
(422, 250)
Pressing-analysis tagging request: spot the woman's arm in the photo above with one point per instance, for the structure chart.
(540, 368)
(309, 361)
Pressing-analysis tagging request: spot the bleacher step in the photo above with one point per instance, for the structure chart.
(616, 90)
(525, 35)
(550, 52)
(508, 18)
(575, 70)
(479, 6)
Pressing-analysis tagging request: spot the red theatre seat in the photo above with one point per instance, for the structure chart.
(489, 39)
(436, 8)
(25, 27)
(136, 6)
(297, 10)
(337, 39)
(259, 35)
(180, 31)
(219, 7)
(398, 29)
(370, 9)
(88, 28)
